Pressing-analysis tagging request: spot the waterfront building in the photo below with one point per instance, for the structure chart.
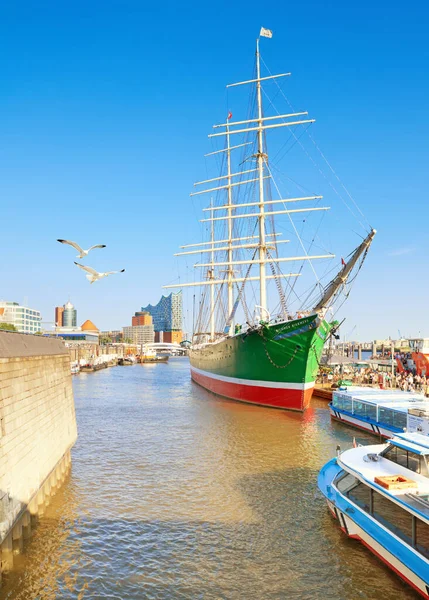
(139, 334)
(69, 315)
(116, 336)
(87, 332)
(167, 317)
(26, 320)
(142, 318)
(59, 310)
(169, 337)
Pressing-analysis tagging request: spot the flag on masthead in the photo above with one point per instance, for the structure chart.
(229, 115)
(265, 33)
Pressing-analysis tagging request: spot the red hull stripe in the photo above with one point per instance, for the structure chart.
(255, 382)
(274, 397)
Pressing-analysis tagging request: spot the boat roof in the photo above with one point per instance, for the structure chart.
(415, 499)
(415, 442)
(397, 400)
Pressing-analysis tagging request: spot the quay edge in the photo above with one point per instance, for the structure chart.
(38, 429)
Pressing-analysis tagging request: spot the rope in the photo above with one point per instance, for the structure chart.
(325, 159)
(279, 287)
(295, 229)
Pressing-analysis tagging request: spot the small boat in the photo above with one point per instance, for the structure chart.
(380, 495)
(150, 356)
(126, 361)
(99, 365)
(87, 368)
(382, 412)
(74, 368)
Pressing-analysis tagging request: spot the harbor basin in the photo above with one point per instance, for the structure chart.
(175, 493)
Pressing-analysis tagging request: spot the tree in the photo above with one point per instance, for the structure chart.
(8, 327)
(128, 341)
(105, 340)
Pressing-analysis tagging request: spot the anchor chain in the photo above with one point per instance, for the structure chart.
(264, 341)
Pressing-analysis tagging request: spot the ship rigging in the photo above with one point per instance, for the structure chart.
(243, 238)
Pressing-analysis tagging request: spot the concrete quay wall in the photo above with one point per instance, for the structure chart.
(37, 431)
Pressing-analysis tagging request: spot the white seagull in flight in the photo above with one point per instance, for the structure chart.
(93, 275)
(82, 252)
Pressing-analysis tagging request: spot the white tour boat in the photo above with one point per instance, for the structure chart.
(380, 496)
(382, 412)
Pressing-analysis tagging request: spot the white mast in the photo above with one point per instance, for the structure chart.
(230, 272)
(261, 156)
(212, 288)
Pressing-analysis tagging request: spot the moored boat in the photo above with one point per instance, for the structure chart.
(381, 412)
(125, 361)
(266, 353)
(380, 496)
(74, 368)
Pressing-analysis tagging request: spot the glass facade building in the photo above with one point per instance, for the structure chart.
(167, 315)
(26, 320)
(69, 315)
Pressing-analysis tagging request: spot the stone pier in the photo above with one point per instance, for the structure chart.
(37, 431)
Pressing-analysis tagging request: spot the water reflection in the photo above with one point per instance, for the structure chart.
(175, 493)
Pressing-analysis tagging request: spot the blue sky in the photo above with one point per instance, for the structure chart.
(104, 111)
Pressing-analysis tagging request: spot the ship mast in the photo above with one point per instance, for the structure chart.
(211, 277)
(261, 156)
(230, 272)
(343, 275)
(231, 211)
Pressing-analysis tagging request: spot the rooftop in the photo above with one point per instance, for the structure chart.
(88, 326)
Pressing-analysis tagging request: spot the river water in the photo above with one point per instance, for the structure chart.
(177, 494)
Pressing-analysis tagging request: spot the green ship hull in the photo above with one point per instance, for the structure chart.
(272, 365)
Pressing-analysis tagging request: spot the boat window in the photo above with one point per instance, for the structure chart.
(406, 459)
(385, 415)
(358, 408)
(399, 419)
(345, 482)
(422, 537)
(392, 516)
(424, 469)
(337, 401)
(414, 462)
(360, 495)
(342, 402)
(364, 410)
(347, 404)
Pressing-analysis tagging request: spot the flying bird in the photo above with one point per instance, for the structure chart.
(93, 275)
(82, 252)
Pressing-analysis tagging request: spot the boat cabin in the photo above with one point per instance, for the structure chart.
(383, 412)
(392, 486)
(419, 345)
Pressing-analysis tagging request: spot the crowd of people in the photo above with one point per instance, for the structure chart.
(412, 382)
(406, 381)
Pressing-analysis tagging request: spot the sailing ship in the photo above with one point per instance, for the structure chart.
(268, 359)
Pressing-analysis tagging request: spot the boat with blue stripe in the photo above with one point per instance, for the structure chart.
(381, 412)
(380, 496)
